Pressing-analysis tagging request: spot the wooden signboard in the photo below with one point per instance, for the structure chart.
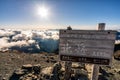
(87, 46)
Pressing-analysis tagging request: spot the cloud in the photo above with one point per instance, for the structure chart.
(30, 41)
(6, 33)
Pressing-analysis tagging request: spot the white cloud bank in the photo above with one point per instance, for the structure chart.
(31, 41)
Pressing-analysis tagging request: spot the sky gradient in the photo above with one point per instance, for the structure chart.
(80, 14)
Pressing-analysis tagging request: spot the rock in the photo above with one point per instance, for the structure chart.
(3, 78)
(30, 75)
(54, 77)
(28, 78)
(35, 60)
(46, 77)
(56, 67)
(34, 77)
(46, 73)
(51, 73)
(88, 67)
(52, 58)
(47, 60)
(117, 54)
(80, 71)
(0, 77)
(21, 78)
(110, 74)
(81, 74)
(77, 65)
(118, 72)
(27, 67)
(53, 61)
(56, 70)
(43, 57)
(20, 72)
(47, 70)
(37, 68)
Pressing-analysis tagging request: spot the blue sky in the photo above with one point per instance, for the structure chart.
(80, 14)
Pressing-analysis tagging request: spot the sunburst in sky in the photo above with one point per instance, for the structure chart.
(43, 12)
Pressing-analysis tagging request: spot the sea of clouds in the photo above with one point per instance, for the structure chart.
(29, 41)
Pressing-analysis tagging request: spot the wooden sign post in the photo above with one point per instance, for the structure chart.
(95, 72)
(86, 46)
(68, 65)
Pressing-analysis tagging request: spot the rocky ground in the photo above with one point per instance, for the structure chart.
(46, 66)
(9, 62)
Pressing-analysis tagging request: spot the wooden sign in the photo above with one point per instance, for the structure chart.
(87, 46)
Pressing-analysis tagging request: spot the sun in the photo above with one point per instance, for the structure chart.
(43, 12)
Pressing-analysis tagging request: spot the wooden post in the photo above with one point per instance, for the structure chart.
(95, 72)
(101, 26)
(68, 65)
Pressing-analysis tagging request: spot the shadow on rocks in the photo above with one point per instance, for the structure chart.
(17, 74)
(103, 75)
(79, 77)
(14, 77)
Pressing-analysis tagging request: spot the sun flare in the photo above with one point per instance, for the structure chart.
(43, 12)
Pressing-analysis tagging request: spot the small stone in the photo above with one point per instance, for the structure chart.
(3, 78)
(47, 70)
(28, 78)
(20, 71)
(47, 61)
(0, 77)
(53, 61)
(118, 72)
(27, 67)
(43, 57)
(56, 70)
(30, 74)
(46, 76)
(21, 78)
(34, 77)
(35, 60)
(37, 68)
(52, 58)
(82, 71)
